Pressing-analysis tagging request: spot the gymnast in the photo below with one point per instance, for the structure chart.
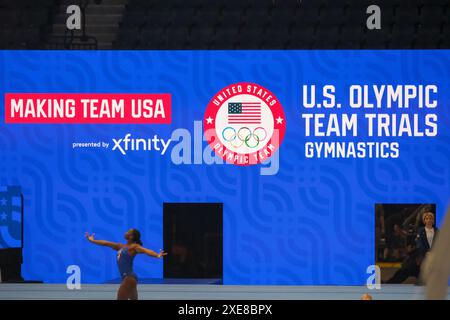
(125, 256)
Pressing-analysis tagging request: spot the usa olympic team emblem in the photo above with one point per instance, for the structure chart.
(244, 123)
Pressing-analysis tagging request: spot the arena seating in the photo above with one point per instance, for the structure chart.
(282, 24)
(247, 24)
(25, 23)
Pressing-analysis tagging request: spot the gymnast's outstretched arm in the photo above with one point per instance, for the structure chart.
(113, 245)
(151, 253)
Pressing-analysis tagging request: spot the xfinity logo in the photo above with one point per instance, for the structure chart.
(150, 144)
(187, 147)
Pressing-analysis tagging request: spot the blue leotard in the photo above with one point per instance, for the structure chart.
(125, 263)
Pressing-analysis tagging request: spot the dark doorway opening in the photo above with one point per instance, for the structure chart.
(398, 247)
(193, 239)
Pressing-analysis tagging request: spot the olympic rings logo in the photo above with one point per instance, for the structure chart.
(244, 136)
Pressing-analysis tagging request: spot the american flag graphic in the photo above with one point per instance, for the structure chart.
(244, 113)
(10, 217)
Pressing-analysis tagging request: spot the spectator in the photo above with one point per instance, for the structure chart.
(426, 234)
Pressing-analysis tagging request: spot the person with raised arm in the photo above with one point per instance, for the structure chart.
(125, 257)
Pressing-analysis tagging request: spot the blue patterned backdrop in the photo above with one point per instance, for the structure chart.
(312, 223)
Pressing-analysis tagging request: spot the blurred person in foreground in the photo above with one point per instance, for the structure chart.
(436, 266)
